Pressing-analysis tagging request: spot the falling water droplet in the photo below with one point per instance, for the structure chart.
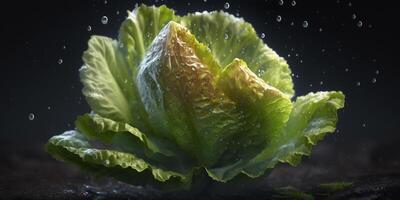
(346, 70)
(60, 61)
(358, 83)
(291, 23)
(353, 16)
(226, 36)
(377, 71)
(263, 35)
(320, 29)
(48, 108)
(373, 80)
(280, 2)
(321, 82)
(104, 20)
(293, 3)
(278, 18)
(105, 2)
(305, 24)
(364, 125)
(31, 116)
(359, 24)
(226, 5)
(117, 12)
(64, 47)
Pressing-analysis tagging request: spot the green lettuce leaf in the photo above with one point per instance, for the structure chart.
(312, 117)
(139, 29)
(177, 83)
(122, 136)
(108, 85)
(230, 37)
(72, 147)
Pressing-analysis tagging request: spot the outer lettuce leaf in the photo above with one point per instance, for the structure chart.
(72, 147)
(122, 136)
(230, 37)
(177, 83)
(312, 117)
(108, 86)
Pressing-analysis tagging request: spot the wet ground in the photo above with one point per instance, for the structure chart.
(362, 170)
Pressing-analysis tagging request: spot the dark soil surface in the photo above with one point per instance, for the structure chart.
(370, 171)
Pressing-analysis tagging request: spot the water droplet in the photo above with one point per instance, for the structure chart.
(373, 80)
(226, 5)
(353, 16)
(280, 2)
(310, 84)
(31, 116)
(64, 47)
(205, 0)
(291, 23)
(107, 162)
(297, 55)
(48, 108)
(105, 2)
(321, 82)
(60, 61)
(359, 24)
(104, 20)
(346, 70)
(263, 35)
(117, 12)
(358, 83)
(226, 36)
(293, 3)
(288, 55)
(322, 50)
(305, 24)
(377, 71)
(278, 18)
(89, 28)
(350, 4)
(320, 29)
(364, 125)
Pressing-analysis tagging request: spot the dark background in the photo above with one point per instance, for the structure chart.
(36, 34)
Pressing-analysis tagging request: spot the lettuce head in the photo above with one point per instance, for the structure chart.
(177, 95)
